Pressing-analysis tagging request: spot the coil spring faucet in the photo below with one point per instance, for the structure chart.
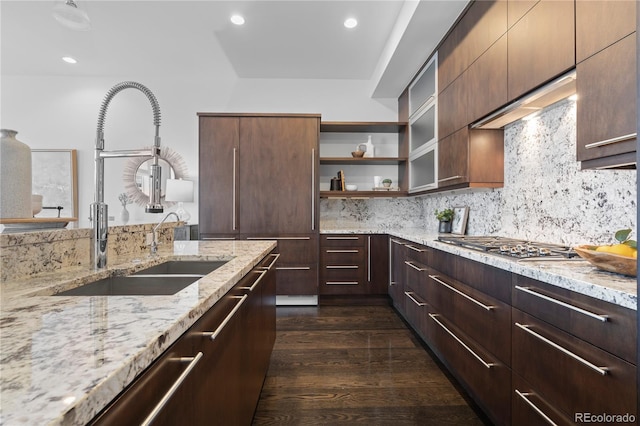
(99, 211)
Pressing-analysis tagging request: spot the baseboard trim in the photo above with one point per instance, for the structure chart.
(296, 300)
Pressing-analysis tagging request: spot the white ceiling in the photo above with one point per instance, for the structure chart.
(301, 39)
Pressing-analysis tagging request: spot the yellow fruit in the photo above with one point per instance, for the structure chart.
(619, 249)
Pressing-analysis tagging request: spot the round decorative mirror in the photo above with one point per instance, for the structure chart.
(136, 175)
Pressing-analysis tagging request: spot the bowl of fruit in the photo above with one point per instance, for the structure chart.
(620, 257)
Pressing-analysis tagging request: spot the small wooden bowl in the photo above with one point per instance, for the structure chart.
(608, 261)
(357, 154)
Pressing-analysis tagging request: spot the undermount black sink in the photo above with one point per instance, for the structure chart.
(193, 267)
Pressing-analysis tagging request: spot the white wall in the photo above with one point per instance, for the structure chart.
(61, 113)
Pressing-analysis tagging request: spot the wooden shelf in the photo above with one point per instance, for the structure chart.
(362, 127)
(380, 161)
(362, 194)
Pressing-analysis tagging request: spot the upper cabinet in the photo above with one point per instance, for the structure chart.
(541, 46)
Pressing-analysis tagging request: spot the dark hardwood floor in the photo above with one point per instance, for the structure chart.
(336, 365)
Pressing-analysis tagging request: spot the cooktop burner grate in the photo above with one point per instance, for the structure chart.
(512, 247)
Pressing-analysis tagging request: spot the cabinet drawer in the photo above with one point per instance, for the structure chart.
(416, 276)
(418, 252)
(483, 375)
(577, 376)
(342, 273)
(294, 250)
(343, 286)
(346, 240)
(417, 313)
(605, 325)
(490, 280)
(529, 408)
(342, 256)
(481, 317)
(297, 280)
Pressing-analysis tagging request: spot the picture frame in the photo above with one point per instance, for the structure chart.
(459, 222)
(55, 177)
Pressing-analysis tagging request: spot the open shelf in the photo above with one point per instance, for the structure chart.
(387, 161)
(362, 127)
(362, 194)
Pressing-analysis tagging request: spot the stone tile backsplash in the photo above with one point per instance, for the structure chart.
(546, 197)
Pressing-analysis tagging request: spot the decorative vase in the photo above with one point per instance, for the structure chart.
(124, 215)
(15, 177)
(444, 227)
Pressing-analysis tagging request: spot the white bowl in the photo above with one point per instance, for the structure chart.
(351, 187)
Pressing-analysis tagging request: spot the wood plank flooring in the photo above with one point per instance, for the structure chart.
(337, 365)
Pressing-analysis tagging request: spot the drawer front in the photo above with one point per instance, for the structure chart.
(417, 313)
(343, 286)
(343, 272)
(605, 325)
(346, 240)
(577, 376)
(416, 276)
(481, 317)
(418, 253)
(343, 256)
(488, 279)
(483, 375)
(296, 280)
(529, 408)
(294, 249)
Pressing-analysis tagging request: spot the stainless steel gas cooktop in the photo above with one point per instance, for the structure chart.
(519, 249)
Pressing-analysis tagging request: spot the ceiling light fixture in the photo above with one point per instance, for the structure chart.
(67, 13)
(237, 19)
(573, 97)
(69, 60)
(350, 23)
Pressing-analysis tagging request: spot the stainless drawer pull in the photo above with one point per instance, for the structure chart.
(414, 248)
(600, 370)
(233, 190)
(342, 266)
(262, 273)
(214, 334)
(342, 282)
(313, 189)
(410, 296)
(342, 238)
(369, 258)
(392, 283)
(341, 251)
(466, 296)
(397, 242)
(278, 238)
(218, 238)
(293, 268)
(414, 266)
(611, 141)
(451, 178)
(535, 408)
(167, 396)
(275, 258)
(602, 318)
(475, 355)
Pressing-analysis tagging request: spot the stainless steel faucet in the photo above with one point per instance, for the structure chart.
(154, 240)
(99, 211)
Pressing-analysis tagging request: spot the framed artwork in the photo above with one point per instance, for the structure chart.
(459, 222)
(54, 175)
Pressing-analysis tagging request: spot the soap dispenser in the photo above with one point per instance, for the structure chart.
(370, 148)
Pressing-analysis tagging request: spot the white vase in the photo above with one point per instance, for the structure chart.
(15, 177)
(124, 215)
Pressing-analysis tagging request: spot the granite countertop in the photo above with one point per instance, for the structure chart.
(64, 358)
(576, 275)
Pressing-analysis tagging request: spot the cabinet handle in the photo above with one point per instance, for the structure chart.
(214, 334)
(414, 248)
(600, 370)
(233, 197)
(342, 238)
(342, 282)
(369, 258)
(313, 189)
(602, 318)
(342, 266)
(451, 178)
(341, 251)
(482, 305)
(475, 355)
(275, 258)
(414, 266)
(535, 408)
(278, 238)
(397, 242)
(409, 295)
(167, 396)
(292, 268)
(611, 141)
(218, 238)
(392, 283)
(262, 273)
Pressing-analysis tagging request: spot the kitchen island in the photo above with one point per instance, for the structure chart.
(64, 358)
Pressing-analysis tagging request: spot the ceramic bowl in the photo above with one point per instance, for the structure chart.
(36, 204)
(357, 154)
(608, 261)
(351, 187)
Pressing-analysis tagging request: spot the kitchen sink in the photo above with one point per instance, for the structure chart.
(133, 286)
(191, 267)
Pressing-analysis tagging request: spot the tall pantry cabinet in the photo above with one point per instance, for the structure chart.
(259, 180)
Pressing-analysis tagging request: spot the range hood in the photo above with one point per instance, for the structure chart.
(552, 92)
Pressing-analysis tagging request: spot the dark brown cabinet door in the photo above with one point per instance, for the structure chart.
(378, 264)
(396, 284)
(487, 81)
(541, 46)
(218, 163)
(600, 23)
(606, 113)
(277, 174)
(453, 154)
(453, 111)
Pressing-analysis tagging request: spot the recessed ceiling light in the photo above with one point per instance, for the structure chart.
(350, 23)
(69, 60)
(237, 19)
(573, 97)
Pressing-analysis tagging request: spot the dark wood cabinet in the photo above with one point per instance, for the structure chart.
(487, 81)
(471, 158)
(259, 180)
(606, 113)
(397, 256)
(529, 408)
(541, 46)
(516, 9)
(378, 263)
(453, 111)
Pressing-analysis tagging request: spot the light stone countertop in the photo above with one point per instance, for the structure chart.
(64, 358)
(576, 275)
